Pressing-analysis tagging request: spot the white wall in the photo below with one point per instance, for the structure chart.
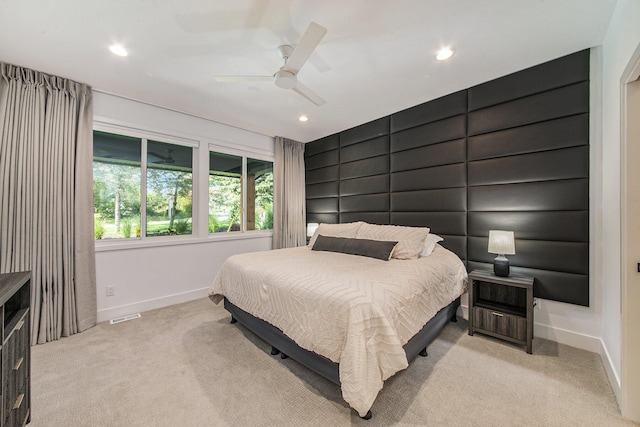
(623, 37)
(160, 274)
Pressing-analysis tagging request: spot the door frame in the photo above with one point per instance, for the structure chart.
(630, 365)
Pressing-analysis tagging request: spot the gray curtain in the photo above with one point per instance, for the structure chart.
(46, 197)
(289, 204)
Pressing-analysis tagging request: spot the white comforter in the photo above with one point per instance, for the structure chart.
(354, 310)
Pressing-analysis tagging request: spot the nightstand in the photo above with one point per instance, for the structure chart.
(501, 306)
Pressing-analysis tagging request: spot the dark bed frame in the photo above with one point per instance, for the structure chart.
(280, 343)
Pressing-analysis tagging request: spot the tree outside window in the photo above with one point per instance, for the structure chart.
(117, 187)
(143, 188)
(169, 189)
(226, 176)
(259, 194)
(225, 192)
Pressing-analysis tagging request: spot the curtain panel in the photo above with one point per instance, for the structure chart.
(46, 197)
(289, 202)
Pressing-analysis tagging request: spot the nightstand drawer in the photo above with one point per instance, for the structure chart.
(500, 323)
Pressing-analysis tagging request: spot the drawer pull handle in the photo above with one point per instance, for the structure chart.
(18, 364)
(18, 401)
(19, 325)
(497, 314)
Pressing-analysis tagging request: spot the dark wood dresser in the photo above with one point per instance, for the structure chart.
(15, 298)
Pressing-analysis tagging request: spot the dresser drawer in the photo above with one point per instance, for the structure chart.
(19, 360)
(499, 323)
(19, 411)
(15, 353)
(15, 371)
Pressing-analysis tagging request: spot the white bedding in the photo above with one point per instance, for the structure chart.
(354, 310)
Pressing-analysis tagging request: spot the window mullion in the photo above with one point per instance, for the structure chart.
(244, 194)
(143, 191)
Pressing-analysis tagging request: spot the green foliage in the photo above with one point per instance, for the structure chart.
(181, 226)
(125, 227)
(264, 189)
(265, 221)
(264, 201)
(214, 224)
(135, 224)
(116, 187)
(156, 207)
(224, 201)
(169, 195)
(98, 228)
(169, 199)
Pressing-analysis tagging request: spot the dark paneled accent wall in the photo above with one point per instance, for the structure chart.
(428, 169)
(528, 171)
(512, 153)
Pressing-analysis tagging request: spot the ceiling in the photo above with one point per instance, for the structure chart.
(378, 56)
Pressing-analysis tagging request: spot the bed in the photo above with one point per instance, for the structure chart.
(354, 319)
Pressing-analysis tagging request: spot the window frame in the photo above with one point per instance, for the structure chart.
(244, 154)
(200, 189)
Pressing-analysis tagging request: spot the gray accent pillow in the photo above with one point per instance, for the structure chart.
(379, 249)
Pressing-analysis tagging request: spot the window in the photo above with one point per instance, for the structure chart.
(259, 195)
(144, 188)
(226, 208)
(169, 189)
(116, 185)
(225, 192)
(119, 190)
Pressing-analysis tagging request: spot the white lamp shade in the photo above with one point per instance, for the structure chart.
(311, 228)
(502, 242)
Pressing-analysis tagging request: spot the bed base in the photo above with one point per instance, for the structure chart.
(286, 347)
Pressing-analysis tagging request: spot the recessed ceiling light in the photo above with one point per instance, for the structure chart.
(118, 49)
(445, 53)
(303, 118)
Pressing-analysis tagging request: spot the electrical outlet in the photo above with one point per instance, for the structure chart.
(111, 291)
(536, 304)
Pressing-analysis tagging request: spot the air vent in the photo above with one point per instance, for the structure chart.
(124, 318)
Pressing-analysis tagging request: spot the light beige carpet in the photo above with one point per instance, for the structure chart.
(187, 366)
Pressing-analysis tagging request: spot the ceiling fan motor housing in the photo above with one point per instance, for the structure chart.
(285, 79)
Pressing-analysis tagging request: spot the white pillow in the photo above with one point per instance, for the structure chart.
(410, 239)
(349, 229)
(430, 244)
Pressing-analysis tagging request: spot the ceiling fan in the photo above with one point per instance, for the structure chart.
(294, 60)
(166, 160)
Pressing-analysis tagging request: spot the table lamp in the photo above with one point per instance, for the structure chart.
(501, 243)
(311, 228)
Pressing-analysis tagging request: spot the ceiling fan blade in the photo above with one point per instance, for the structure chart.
(243, 78)
(309, 94)
(309, 41)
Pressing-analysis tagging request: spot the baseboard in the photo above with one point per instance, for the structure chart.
(571, 338)
(152, 304)
(464, 311)
(612, 375)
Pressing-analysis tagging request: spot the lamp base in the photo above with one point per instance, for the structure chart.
(501, 266)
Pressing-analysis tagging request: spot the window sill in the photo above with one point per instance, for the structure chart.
(152, 242)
